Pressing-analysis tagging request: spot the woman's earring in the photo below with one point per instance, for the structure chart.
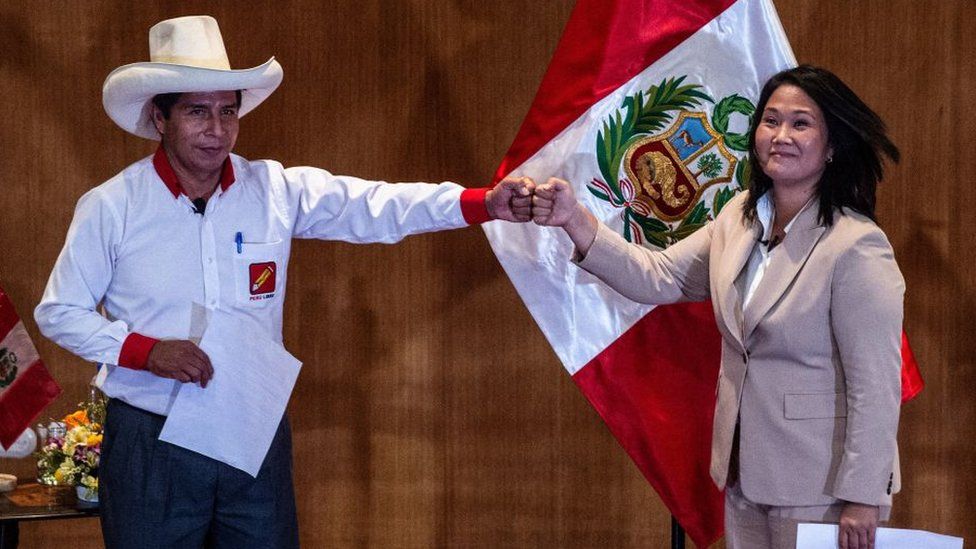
(830, 159)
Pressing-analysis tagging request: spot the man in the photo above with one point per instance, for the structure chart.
(189, 231)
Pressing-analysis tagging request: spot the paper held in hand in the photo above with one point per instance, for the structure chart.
(824, 536)
(235, 418)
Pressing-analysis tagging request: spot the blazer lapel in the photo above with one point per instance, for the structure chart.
(730, 302)
(784, 266)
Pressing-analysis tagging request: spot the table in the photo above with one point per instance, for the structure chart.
(32, 501)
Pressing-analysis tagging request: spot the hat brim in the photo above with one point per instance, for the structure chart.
(128, 90)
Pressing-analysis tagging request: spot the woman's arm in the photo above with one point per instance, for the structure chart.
(679, 273)
(867, 294)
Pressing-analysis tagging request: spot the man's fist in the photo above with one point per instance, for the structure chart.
(511, 199)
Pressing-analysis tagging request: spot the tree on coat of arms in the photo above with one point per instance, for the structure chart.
(657, 156)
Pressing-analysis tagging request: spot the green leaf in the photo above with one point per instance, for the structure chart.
(720, 120)
(608, 146)
(698, 215)
(650, 223)
(657, 238)
(743, 172)
(722, 198)
(598, 194)
(686, 230)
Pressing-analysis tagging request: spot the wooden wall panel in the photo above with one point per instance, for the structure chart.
(431, 411)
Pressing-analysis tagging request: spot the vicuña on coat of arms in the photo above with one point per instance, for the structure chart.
(659, 177)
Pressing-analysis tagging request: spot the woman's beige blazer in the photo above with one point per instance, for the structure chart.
(810, 369)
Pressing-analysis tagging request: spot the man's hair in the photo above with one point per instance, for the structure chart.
(858, 136)
(165, 101)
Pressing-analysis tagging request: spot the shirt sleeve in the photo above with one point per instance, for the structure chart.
(350, 209)
(866, 310)
(82, 273)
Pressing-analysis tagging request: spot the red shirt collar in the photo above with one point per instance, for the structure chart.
(166, 173)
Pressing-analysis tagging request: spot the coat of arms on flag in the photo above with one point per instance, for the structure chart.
(26, 387)
(658, 156)
(8, 367)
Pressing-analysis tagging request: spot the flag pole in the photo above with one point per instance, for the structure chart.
(677, 534)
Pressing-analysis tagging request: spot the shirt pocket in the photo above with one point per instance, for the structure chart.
(815, 405)
(258, 273)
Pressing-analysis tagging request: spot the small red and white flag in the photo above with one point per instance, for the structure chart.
(645, 109)
(26, 387)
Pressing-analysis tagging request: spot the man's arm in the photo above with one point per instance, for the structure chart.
(81, 276)
(67, 312)
(345, 208)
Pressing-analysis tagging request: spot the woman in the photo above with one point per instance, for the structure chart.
(808, 298)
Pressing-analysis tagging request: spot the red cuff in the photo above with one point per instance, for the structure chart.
(135, 351)
(473, 206)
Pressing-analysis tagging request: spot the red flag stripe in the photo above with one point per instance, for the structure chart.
(618, 47)
(8, 316)
(24, 400)
(911, 378)
(659, 406)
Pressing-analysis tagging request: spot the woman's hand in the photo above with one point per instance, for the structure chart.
(554, 205)
(858, 523)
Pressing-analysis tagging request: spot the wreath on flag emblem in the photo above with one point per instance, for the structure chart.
(658, 154)
(8, 367)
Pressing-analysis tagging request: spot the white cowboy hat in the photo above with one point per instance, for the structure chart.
(186, 55)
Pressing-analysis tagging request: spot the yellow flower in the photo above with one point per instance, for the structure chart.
(94, 440)
(77, 435)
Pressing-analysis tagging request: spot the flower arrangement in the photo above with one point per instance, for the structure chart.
(72, 460)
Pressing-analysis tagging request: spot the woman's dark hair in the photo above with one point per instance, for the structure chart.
(857, 135)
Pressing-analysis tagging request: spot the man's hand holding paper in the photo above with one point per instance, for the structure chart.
(235, 418)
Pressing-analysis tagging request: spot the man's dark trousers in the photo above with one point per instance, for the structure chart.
(157, 495)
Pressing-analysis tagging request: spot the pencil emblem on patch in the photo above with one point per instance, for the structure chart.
(262, 278)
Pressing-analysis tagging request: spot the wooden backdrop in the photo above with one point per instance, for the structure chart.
(430, 411)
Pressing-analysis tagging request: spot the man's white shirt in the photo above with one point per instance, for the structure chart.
(156, 267)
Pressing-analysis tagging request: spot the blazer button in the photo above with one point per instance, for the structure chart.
(891, 479)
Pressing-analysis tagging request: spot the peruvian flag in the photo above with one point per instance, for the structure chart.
(645, 108)
(26, 387)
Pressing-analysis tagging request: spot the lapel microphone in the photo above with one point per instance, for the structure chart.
(199, 205)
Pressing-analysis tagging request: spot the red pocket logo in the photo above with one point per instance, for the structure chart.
(262, 278)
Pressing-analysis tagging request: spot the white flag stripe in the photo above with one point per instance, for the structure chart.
(18, 342)
(579, 315)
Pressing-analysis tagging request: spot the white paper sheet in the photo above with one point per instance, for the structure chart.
(824, 536)
(235, 418)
